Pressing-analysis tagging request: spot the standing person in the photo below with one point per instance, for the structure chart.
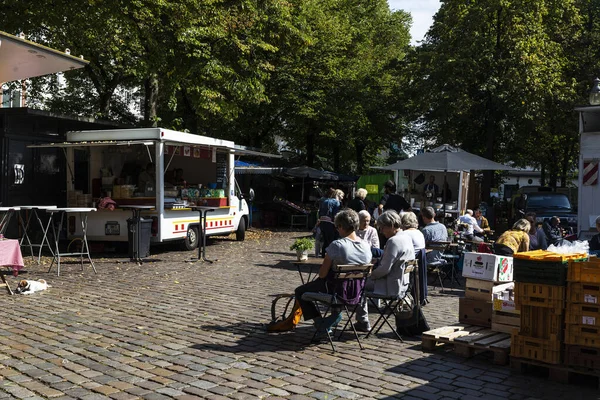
(391, 200)
(325, 232)
(410, 226)
(358, 202)
(433, 232)
(431, 190)
(388, 277)
(537, 237)
(365, 231)
(350, 249)
(595, 240)
(515, 240)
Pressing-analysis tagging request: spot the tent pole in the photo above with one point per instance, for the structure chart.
(444, 194)
(302, 198)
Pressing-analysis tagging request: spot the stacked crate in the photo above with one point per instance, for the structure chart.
(487, 275)
(582, 334)
(540, 294)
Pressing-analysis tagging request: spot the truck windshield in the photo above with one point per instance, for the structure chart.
(541, 201)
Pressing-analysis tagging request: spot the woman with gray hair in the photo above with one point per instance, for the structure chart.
(365, 231)
(358, 202)
(410, 225)
(515, 240)
(350, 249)
(388, 277)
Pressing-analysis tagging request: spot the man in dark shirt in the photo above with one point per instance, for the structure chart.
(391, 200)
(595, 240)
(553, 232)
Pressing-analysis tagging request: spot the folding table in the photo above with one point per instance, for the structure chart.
(85, 250)
(10, 257)
(202, 245)
(25, 226)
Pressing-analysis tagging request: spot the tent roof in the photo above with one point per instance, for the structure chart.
(317, 174)
(447, 158)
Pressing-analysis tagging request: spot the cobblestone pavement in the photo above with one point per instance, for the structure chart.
(175, 329)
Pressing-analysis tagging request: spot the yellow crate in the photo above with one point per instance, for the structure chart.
(543, 350)
(585, 271)
(582, 335)
(544, 255)
(538, 295)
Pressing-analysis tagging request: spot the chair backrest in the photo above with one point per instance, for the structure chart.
(349, 271)
(349, 281)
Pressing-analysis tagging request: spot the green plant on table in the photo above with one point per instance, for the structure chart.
(303, 244)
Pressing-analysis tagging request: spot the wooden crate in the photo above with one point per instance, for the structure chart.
(468, 340)
(542, 323)
(556, 373)
(583, 357)
(477, 289)
(582, 335)
(583, 292)
(538, 295)
(583, 314)
(505, 322)
(547, 351)
(475, 312)
(586, 271)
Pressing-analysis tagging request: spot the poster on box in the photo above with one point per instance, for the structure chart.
(488, 267)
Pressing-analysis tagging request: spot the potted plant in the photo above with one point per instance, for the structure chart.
(302, 246)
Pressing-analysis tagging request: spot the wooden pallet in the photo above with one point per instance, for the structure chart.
(557, 373)
(469, 340)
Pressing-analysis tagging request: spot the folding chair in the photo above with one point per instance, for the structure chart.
(438, 268)
(347, 291)
(391, 303)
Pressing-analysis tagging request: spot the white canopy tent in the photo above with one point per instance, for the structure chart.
(22, 59)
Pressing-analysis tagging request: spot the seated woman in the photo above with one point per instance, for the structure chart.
(388, 277)
(537, 237)
(350, 249)
(515, 240)
(365, 231)
(410, 225)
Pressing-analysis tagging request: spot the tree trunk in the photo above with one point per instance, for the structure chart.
(310, 145)
(150, 101)
(543, 175)
(336, 157)
(360, 159)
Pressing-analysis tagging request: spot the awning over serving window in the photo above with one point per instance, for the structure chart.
(22, 59)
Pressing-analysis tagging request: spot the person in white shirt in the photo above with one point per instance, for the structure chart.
(365, 231)
(471, 224)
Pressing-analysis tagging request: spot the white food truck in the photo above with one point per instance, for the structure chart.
(110, 162)
(589, 180)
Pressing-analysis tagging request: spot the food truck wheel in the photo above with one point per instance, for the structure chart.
(191, 239)
(240, 234)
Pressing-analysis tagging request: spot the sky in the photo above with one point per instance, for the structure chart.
(422, 12)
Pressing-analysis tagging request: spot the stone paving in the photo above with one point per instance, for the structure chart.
(175, 329)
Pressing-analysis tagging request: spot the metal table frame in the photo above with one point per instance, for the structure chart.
(85, 250)
(7, 213)
(25, 225)
(202, 245)
(137, 214)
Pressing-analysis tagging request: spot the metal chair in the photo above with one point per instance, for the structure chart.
(347, 291)
(391, 304)
(439, 268)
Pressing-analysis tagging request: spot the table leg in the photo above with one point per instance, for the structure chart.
(25, 226)
(45, 238)
(6, 284)
(84, 242)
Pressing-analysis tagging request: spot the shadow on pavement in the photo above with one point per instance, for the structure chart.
(254, 338)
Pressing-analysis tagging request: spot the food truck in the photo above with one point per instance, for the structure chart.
(168, 170)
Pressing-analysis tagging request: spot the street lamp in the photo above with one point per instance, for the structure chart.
(595, 93)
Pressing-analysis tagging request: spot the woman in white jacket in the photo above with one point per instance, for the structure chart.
(388, 277)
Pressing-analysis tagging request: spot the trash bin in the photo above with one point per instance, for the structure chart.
(143, 236)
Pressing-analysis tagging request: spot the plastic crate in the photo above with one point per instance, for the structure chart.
(548, 256)
(540, 295)
(583, 292)
(582, 335)
(582, 357)
(542, 323)
(588, 271)
(583, 314)
(547, 351)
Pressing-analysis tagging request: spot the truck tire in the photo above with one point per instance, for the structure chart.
(240, 234)
(192, 239)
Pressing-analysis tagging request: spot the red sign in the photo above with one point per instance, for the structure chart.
(590, 172)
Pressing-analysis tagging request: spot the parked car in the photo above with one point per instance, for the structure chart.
(546, 205)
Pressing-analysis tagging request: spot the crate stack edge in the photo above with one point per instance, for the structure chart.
(582, 333)
(488, 280)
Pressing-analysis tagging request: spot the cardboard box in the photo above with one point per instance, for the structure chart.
(475, 312)
(488, 267)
